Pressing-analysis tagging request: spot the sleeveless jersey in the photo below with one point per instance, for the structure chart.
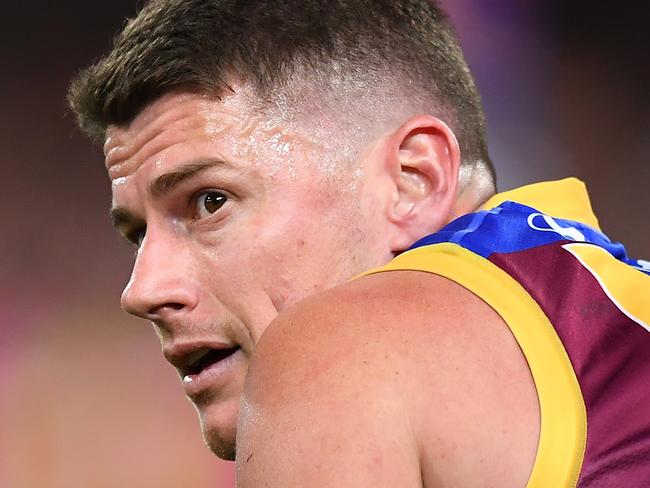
(579, 309)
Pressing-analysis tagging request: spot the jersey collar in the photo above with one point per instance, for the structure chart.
(566, 199)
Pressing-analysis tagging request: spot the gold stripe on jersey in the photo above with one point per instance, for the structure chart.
(621, 283)
(568, 200)
(562, 409)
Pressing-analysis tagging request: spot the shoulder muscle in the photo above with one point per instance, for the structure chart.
(352, 386)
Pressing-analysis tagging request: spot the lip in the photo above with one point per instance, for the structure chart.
(211, 377)
(185, 356)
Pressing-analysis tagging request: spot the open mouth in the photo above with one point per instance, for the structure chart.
(199, 363)
(207, 359)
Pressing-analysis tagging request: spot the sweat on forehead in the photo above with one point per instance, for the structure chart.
(340, 111)
(181, 128)
(160, 113)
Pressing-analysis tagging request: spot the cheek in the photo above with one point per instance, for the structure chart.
(298, 240)
(309, 246)
(285, 217)
(281, 250)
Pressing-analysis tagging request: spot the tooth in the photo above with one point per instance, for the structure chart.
(187, 379)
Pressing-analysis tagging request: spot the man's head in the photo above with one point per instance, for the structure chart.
(261, 151)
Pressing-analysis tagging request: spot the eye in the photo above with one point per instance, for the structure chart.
(209, 202)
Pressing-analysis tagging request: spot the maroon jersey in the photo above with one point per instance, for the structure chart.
(579, 309)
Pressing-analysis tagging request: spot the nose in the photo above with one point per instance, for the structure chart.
(161, 283)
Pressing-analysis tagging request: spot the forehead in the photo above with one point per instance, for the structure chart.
(250, 134)
(171, 120)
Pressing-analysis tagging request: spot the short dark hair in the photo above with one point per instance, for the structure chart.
(199, 45)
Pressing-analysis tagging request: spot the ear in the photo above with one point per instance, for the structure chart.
(423, 160)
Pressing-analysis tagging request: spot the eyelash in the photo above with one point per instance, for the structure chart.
(136, 235)
(222, 199)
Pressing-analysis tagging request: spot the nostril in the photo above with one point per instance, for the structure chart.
(166, 307)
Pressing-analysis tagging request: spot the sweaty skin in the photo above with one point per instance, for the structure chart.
(203, 277)
(396, 379)
(249, 229)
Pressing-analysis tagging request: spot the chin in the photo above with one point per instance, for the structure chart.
(219, 427)
(222, 444)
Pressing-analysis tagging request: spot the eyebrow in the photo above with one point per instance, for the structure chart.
(121, 217)
(168, 181)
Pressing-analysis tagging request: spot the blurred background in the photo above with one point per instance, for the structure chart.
(86, 399)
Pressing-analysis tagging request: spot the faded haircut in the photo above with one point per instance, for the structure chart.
(201, 46)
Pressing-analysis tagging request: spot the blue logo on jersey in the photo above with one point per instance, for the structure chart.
(513, 227)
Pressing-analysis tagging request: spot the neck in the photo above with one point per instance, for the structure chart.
(475, 187)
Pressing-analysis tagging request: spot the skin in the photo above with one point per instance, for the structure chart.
(293, 224)
(353, 388)
(225, 276)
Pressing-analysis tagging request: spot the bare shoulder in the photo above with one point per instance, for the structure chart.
(400, 375)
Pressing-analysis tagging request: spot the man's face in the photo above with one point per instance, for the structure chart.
(236, 217)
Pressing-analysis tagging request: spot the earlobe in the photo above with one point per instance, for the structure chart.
(425, 168)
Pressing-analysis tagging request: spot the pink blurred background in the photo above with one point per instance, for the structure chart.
(86, 399)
